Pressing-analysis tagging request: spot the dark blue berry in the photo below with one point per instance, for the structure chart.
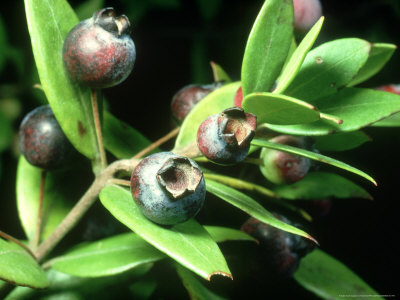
(168, 188)
(98, 52)
(42, 141)
(281, 167)
(278, 252)
(187, 97)
(225, 138)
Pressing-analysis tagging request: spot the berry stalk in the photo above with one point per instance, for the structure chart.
(40, 210)
(97, 124)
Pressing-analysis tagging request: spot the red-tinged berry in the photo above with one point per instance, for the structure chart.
(99, 52)
(306, 14)
(237, 101)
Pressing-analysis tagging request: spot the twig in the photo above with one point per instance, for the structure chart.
(14, 240)
(97, 124)
(36, 241)
(119, 182)
(157, 143)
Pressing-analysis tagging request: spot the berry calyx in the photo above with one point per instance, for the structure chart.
(225, 138)
(281, 167)
(187, 97)
(98, 52)
(42, 141)
(168, 188)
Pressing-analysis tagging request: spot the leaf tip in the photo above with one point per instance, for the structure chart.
(312, 239)
(219, 273)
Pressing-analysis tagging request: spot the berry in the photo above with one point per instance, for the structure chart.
(391, 88)
(168, 188)
(278, 252)
(187, 97)
(306, 14)
(225, 138)
(281, 167)
(42, 141)
(98, 52)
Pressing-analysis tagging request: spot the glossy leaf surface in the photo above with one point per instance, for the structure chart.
(328, 68)
(188, 243)
(250, 206)
(279, 109)
(213, 103)
(378, 57)
(357, 108)
(313, 156)
(267, 46)
(328, 278)
(19, 267)
(107, 257)
(49, 22)
(57, 202)
(319, 185)
(223, 234)
(297, 58)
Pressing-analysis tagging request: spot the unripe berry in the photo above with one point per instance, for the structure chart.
(42, 141)
(278, 252)
(98, 52)
(187, 97)
(168, 188)
(225, 138)
(281, 167)
(306, 14)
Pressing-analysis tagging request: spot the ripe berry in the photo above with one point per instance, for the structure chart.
(278, 252)
(281, 167)
(168, 188)
(225, 138)
(187, 97)
(98, 52)
(306, 13)
(391, 88)
(237, 101)
(42, 141)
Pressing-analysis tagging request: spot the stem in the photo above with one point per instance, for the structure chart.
(14, 240)
(119, 182)
(97, 124)
(40, 210)
(83, 205)
(158, 143)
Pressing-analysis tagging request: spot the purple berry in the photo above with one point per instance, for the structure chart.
(187, 97)
(168, 188)
(225, 138)
(278, 252)
(42, 141)
(98, 52)
(306, 14)
(281, 167)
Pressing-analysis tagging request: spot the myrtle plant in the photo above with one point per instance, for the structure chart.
(251, 144)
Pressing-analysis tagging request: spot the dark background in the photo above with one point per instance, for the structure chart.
(175, 40)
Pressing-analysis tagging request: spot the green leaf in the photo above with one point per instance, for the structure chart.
(120, 139)
(219, 73)
(341, 141)
(196, 290)
(267, 46)
(6, 134)
(213, 103)
(312, 155)
(328, 68)
(223, 234)
(297, 58)
(18, 267)
(391, 121)
(188, 243)
(330, 279)
(49, 22)
(319, 185)
(357, 108)
(107, 257)
(279, 109)
(251, 207)
(378, 57)
(58, 197)
(87, 8)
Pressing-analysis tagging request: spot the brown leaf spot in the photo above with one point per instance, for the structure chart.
(81, 129)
